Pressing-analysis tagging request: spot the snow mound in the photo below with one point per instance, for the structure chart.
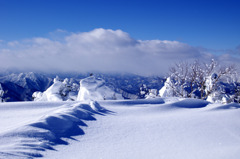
(151, 101)
(93, 88)
(65, 122)
(228, 106)
(191, 103)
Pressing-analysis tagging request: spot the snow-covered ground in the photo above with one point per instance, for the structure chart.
(167, 128)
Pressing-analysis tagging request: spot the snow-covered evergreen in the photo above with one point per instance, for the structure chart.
(167, 90)
(92, 88)
(152, 93)
(58, 91)
(1, 93)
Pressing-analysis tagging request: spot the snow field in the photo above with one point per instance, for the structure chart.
(160, 128)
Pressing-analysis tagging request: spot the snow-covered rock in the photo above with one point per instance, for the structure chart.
(93, 88)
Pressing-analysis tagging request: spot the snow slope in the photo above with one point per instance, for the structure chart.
(168, 128)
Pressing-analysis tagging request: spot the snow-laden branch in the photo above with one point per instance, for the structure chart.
(200, 80)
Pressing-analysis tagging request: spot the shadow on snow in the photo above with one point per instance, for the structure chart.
(65, 122)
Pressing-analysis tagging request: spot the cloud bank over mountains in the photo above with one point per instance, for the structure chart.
(102, 50)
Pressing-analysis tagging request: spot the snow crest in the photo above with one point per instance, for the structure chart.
(65, 122)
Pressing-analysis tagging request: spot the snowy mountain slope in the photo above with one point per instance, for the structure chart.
(29, 80)
(168, 128)
(20, 87)
(14, 92)
(129, 84)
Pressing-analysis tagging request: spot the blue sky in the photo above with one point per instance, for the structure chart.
(135, 36)
(212, 24)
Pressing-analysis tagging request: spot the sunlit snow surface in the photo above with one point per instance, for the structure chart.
(167, 128)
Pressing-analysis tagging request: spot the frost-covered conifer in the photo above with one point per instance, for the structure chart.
(152, 93)
(58, 91)
(143, 91)
(1, 93)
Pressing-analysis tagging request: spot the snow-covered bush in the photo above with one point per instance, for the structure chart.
(58, 91)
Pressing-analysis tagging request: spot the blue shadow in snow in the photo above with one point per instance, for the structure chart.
(191, 103)
(63, 124)
(228, 106)
(137, 102)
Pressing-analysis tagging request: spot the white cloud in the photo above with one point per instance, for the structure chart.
(13, 43)
(98, 50)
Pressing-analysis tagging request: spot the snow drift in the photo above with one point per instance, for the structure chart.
(30, 138)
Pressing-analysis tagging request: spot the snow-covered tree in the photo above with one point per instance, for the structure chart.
(143, 91)
(213, 75)
(92, 88)
(236, 97)
(168, 90)
(232, 89)
(152, 93)
(59, 91)
(182, 80)
(1, 93)
(197, 80)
